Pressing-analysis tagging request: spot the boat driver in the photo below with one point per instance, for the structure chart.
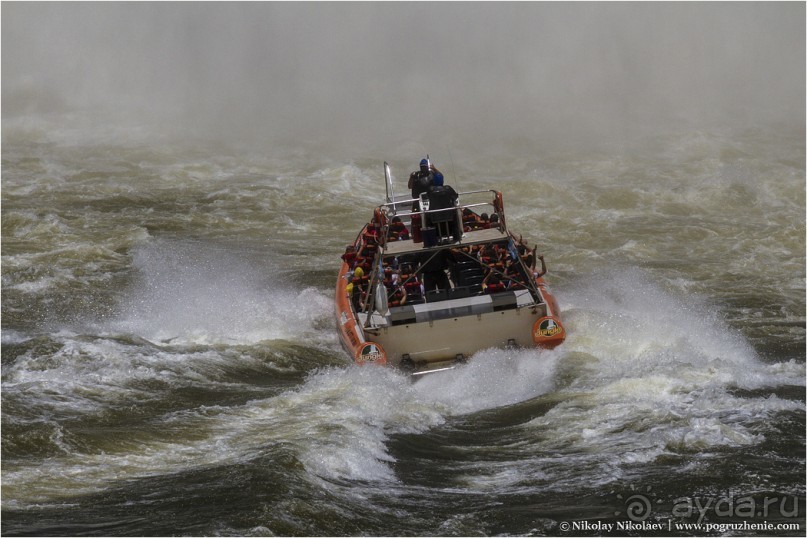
(421, 181)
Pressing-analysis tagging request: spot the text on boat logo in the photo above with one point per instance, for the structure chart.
(548, 327)
(370, 353)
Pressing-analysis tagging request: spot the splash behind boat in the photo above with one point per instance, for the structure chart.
(428, 282)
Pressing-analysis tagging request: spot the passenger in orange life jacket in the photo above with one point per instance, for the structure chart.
(489, 255)
(349, 256)
(542, 272)
(469, 219)
(356, 288)
(493, 282)
(396, 291)
(398, 230)
(528, 256)
(512, 271)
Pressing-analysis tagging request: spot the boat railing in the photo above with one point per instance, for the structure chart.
(391, 208)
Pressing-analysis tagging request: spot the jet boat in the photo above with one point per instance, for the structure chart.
(429, 282)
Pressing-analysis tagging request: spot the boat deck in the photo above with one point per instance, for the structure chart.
(450, 308)
(475, 237)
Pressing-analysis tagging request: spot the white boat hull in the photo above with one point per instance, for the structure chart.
(460, 337)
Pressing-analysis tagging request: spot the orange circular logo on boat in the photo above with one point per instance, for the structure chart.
(371, 352)
(547, 328)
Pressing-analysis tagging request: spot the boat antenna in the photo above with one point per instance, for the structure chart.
(453, 172)
(388, 182)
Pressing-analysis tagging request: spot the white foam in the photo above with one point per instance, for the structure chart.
(337, 425)
(493, 378)
(193, 294)
(12, 336)
(642, 374)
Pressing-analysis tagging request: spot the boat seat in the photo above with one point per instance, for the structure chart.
(441, 197)
(459, 293)
(447, 215)
(445, 221)
(459, 267)
(433, 296)
(472, 271)
(468, 277)
(413, 295)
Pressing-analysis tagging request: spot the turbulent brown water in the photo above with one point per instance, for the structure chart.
(170, 364)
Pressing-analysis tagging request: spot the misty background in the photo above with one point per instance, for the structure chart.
(368, 77)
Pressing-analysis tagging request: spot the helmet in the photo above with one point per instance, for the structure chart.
(438, 179)
(358, 272)
(424, 162)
